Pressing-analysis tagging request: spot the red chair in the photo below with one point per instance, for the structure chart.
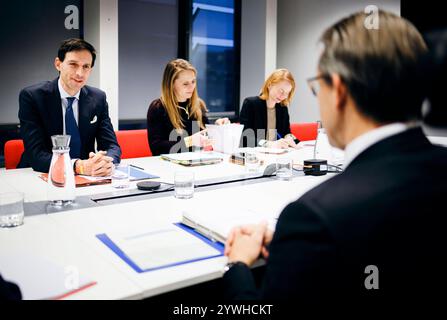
(133, 143)
(304, 131)
(13, 153)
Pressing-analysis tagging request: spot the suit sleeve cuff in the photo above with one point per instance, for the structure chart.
(239, 283)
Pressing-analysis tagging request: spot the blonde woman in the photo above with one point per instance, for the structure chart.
(267, 115)
(176, 121)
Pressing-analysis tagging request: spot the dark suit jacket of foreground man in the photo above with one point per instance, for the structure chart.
(41, 117)
(9, 291)
(387, 209)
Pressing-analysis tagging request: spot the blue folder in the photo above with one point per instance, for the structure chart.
(112, 246)
(137, 174)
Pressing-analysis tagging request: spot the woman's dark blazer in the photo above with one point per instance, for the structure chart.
(254, 116)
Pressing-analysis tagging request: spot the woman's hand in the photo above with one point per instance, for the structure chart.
(200, 139)
(291, 142)
(222, 121)
(278, 144)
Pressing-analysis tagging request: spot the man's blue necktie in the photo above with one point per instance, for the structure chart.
(72, 129)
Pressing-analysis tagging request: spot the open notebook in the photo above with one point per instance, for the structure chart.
(216, 224)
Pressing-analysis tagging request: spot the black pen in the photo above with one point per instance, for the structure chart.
(136, 167)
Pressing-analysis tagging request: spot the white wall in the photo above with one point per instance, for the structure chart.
(258, 44)
(300, 24)
(101, 30)
(108, 59)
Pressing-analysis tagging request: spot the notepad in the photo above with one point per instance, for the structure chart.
(40, 278)
(193, 158)
(216, 224)
(83, 181)
(157, 248)
(138, 174)
(226, 138)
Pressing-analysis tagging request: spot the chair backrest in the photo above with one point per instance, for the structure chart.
(133, 143)
(304, 131)
(13, 153)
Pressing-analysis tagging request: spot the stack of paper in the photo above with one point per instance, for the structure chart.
(226, 138)
(193, 158)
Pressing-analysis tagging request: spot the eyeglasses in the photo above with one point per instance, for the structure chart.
(314, 85)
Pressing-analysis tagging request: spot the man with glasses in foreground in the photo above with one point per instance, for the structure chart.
(375, 230)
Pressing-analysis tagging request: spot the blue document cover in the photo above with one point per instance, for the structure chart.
(112, 246)
(138, 174)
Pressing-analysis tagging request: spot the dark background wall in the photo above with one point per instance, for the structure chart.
(147, 42)
(425, 15)
(30, 33)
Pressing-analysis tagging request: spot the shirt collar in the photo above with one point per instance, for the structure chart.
(364, 141)
(64, 94)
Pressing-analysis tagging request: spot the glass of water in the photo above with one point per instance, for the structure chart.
(284, 168)
(251, 162)
(11, 209)
(184, 184)
(120, 176)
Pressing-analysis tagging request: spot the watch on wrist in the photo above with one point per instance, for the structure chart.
(229, 265)
(78, 169)
(292, 136)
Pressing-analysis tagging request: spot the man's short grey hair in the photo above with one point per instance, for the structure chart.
(380, 67)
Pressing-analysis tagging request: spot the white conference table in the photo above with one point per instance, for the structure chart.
(35, 189)
(69, 238)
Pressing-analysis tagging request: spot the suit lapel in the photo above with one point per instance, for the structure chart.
(85, 112)
(264, 116)
(55, 115)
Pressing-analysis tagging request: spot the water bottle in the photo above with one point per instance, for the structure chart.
(61, 181)
(322, 148)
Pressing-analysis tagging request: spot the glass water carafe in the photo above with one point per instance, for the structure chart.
(61, 181)
(322, 149)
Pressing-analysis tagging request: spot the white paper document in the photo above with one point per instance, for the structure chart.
(192, 156)
(273, 150)
(158, 247)
(226, 138)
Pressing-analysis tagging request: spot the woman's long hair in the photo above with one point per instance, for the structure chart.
(274, 78)
(196, 106)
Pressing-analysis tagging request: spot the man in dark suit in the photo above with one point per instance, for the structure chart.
(67, 106)
(9, 291)
(375, 231)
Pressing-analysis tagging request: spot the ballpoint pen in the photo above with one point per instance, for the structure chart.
(136, 167)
